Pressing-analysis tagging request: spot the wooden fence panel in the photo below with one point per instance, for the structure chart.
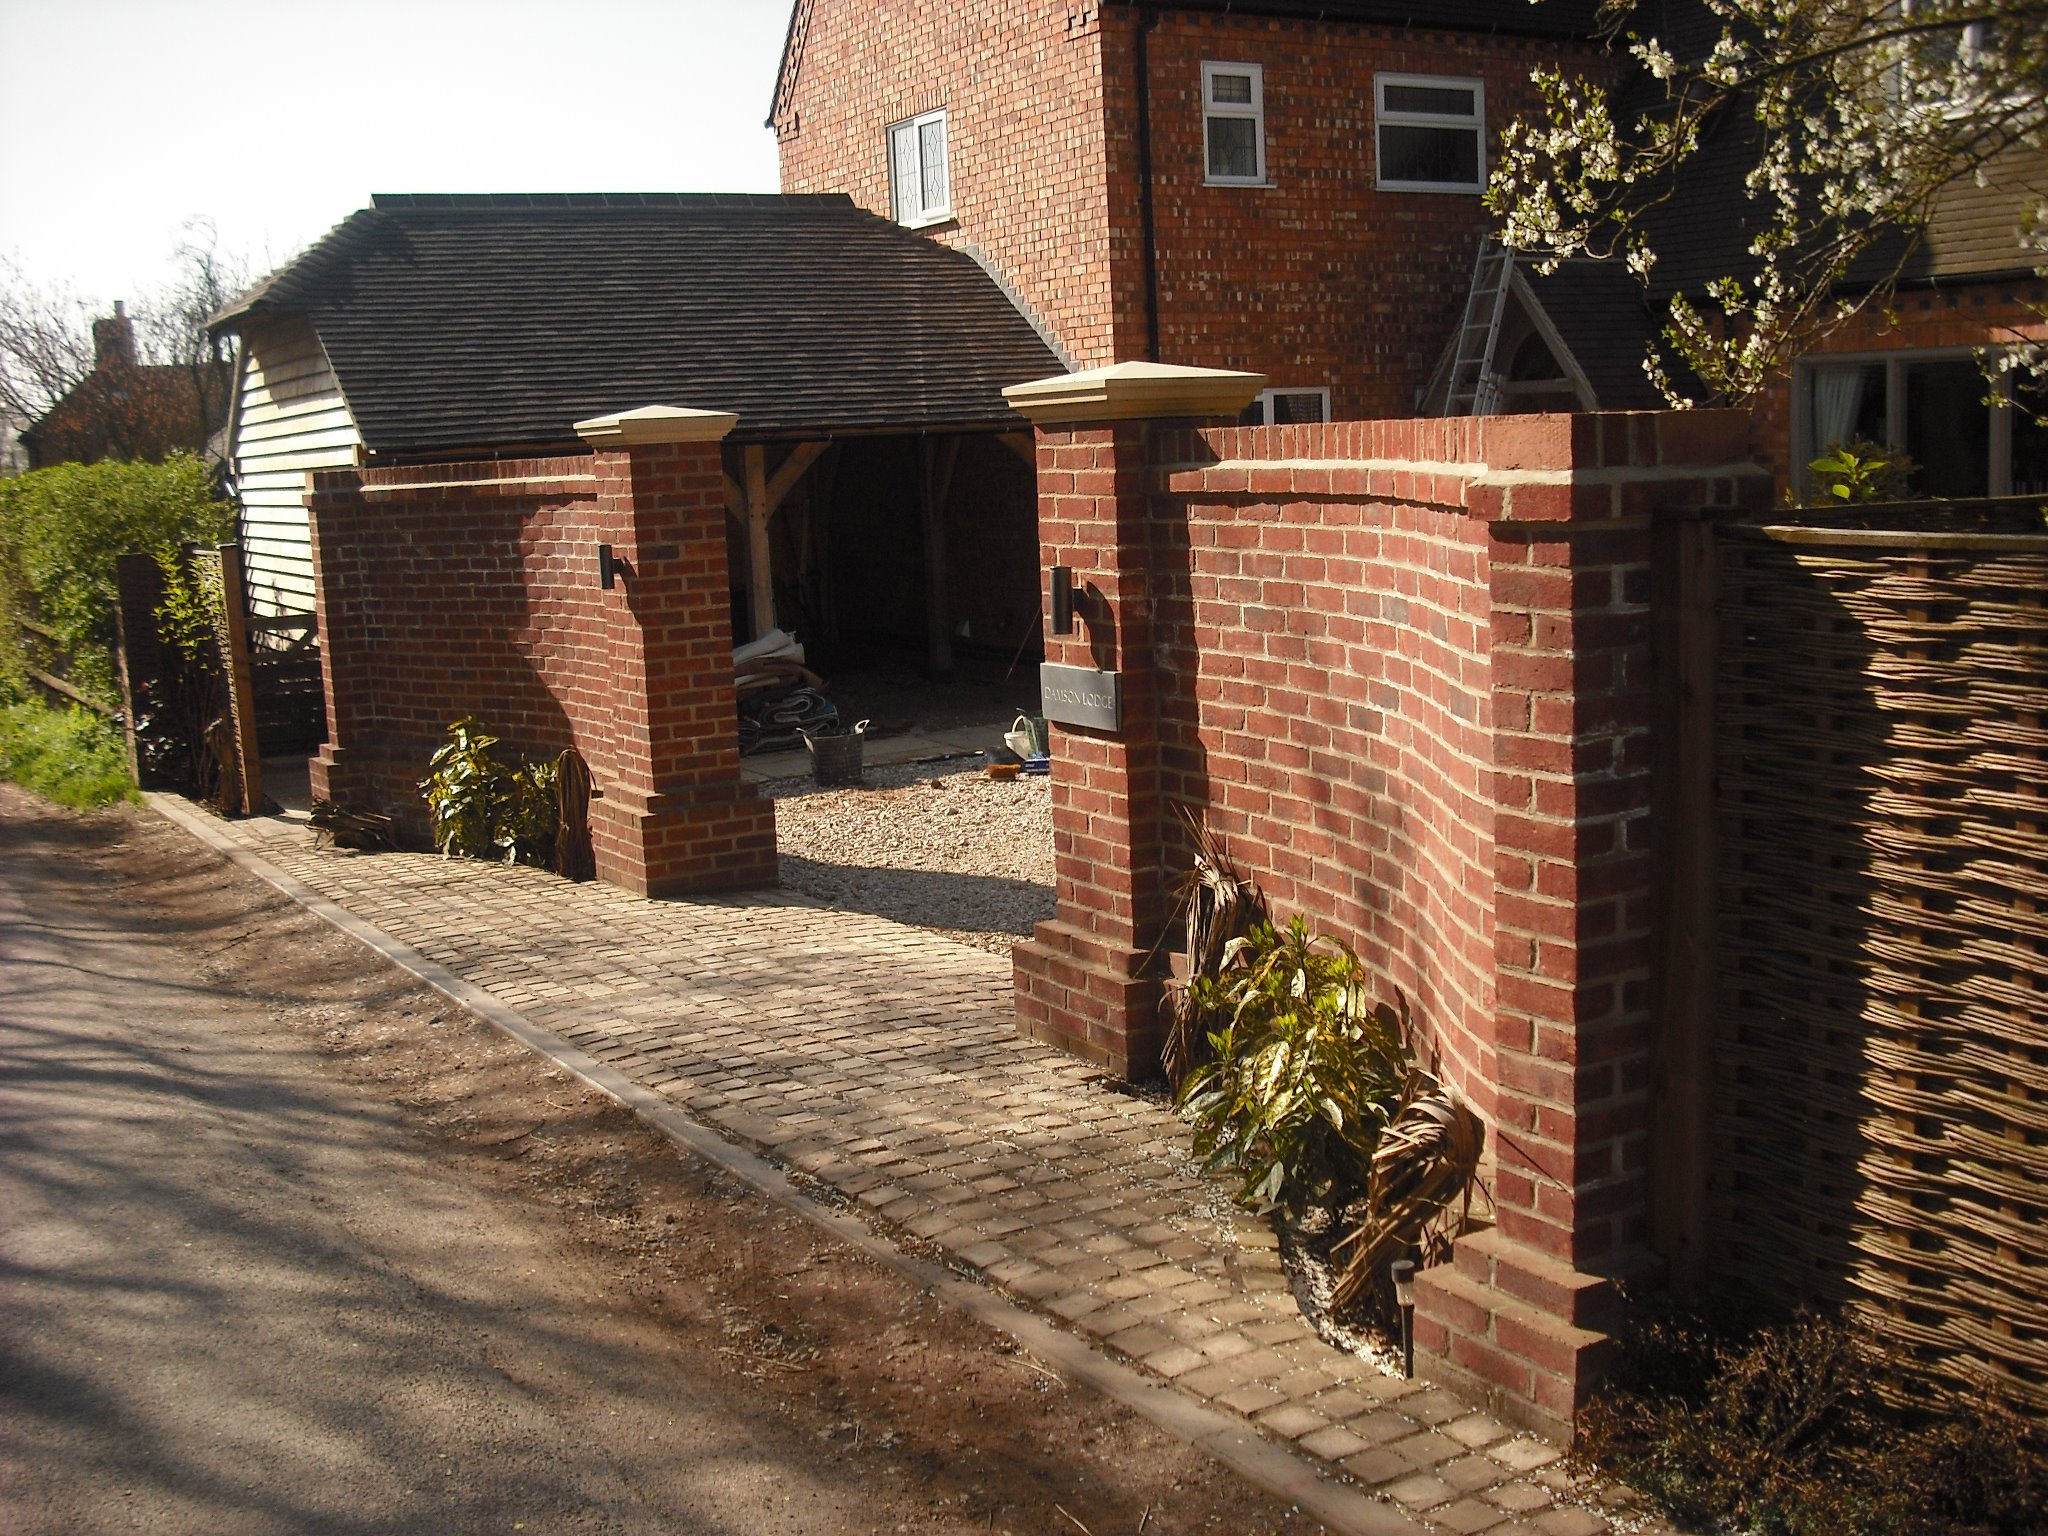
(47, 665)
(1880, 1088)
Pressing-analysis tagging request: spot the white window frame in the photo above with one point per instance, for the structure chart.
(1265, 402)
(1998, 478)
(918, 215)
(1253, 112)
(1476, 124)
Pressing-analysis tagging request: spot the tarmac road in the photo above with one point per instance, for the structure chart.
(236, 1296)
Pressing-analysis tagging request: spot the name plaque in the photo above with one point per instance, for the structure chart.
(1082, 696)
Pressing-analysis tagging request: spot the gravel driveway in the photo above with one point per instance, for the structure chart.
(935, 845)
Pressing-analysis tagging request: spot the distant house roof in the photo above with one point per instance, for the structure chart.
(1600, 313)
(474, 323)
(128, 409)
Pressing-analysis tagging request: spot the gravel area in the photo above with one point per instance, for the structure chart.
(935, 845)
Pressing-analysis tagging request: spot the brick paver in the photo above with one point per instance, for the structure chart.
(882, 1061)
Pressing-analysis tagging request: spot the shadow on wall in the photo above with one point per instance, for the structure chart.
(1876, 1126)
(1317, 701)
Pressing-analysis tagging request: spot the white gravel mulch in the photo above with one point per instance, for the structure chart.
(936, 845)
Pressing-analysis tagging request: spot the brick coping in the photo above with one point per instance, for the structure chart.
(880, 1061)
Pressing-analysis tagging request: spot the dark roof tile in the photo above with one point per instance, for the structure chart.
(464, 323)
(1550, 18)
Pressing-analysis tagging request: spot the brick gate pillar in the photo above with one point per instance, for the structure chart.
(1574, 505)
(335, 515)
(1083, 982)
(675, 815)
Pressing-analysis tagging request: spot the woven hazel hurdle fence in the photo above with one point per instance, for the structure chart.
(1879, 1099)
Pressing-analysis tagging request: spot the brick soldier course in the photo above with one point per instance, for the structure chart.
(883, 1062)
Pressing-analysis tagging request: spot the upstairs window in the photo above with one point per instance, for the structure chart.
(1429, 133)
(1234, 124)
(919, 187)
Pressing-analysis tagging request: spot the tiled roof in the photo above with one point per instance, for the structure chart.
(1705, 231)
(1600, 313)
(489, 322)
(1550, 18)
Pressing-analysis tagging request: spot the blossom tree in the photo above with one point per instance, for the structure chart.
(1849, 120)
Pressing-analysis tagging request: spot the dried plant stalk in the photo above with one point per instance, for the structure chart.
(1221, 905)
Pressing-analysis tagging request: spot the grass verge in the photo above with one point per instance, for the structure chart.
(71, 755)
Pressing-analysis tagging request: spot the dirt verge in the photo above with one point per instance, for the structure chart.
(953, 1428)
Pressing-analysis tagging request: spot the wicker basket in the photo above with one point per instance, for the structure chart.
(836, 759)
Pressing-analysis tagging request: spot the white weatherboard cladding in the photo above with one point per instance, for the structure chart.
(291, 418)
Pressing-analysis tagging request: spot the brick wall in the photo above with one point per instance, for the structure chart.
(1403, 668)
(472, 589)
(1022, 88)
(1334, 713)
(1317, 280)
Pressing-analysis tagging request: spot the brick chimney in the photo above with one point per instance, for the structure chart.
(113, 340)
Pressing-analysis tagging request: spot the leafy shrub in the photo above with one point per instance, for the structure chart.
(177, 711)
(1303, 1076)
(70, 755)
(63, 528)
(1861, 471)
(1783, 1430)
(482, 809)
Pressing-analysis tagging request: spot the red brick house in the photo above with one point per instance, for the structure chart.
(1285, 188)
(1291, 187)
(128, 409)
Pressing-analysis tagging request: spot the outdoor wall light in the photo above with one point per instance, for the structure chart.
(1063, 599)
(609, 567)
(1403, 1272)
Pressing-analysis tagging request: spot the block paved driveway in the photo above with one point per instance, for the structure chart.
(881, 1061)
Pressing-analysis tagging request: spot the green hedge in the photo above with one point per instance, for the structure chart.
(62, 529)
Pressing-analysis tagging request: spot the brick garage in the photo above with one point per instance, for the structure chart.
(1403, 669)
(456, 589)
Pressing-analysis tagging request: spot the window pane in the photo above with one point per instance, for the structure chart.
(1231, 88)
(1848, 404)
(2029, 443)
(1948, 428)
(1443, 100)
(1449, 156)
(903, 174)
(1296, 405)
(931, 145)
(1233, 147)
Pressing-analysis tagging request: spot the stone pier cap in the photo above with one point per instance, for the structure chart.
(655, 426)
(1135, 392)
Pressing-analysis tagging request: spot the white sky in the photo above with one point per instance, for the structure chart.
(120, 120)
